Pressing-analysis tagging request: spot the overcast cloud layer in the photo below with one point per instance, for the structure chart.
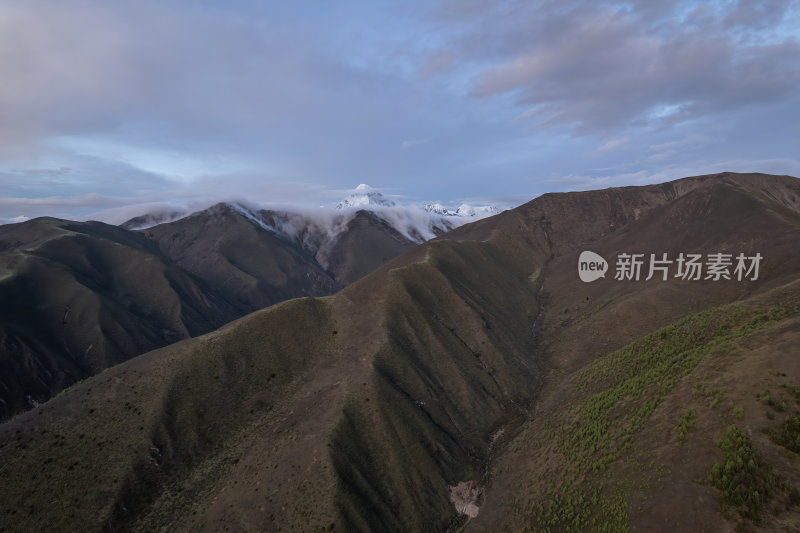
(111, 104)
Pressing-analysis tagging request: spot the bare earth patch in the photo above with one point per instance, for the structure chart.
(464, 496)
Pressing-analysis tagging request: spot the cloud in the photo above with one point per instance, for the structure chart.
(201, 193)
(536, 113)
(755, 14)
(502, 202)
(59, 205)
(610, 146)
(410, 143)
(599, 67)
(436, 63)
(14, 220)
(46, 171)
(669, 150)
(572, 182)
(80, 67)
(776, 165)
(460, 10)
(85, 174)
(180, 89)
(181, 77)
(146, 101)
(582, 182)
(690, 140)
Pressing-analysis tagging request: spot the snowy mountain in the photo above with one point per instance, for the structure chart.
(464, 210)
(317, 230)
(365, 196)
(479, 211)
(439, 209)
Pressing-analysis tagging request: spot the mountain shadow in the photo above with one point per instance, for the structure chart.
(472, 383)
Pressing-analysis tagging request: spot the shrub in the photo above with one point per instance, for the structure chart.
(743, 477)
(685, 424)
(788, 434)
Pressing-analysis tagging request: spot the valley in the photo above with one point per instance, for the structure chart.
(477, 360)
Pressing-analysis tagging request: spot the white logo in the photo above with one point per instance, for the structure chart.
(591, 266)
(692, 267)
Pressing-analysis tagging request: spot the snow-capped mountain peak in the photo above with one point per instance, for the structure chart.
(365, 196)
(438, 209)
(464, 210)
(317, 230)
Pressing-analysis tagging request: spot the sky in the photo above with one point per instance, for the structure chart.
(110, 106)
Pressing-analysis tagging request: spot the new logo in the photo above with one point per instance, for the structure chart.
(591, 266)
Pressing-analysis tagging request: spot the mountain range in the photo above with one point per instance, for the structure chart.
(78, 297)
(471, 383)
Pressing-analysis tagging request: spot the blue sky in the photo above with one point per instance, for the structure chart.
(114, 105)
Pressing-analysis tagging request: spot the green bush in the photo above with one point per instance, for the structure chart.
(743, 477)
(766, 398)
(685, 424)
(788, 434)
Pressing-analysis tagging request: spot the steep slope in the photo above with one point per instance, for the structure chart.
(367, 243)
(477, 360)
(615, 437)
(630, 442)
(285, 380)
(281, 254)
(347, 244)
(352, 242)
(238, 255)
(79, 297)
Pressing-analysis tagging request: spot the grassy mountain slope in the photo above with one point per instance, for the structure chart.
(367, 243)
(479, 357)
(583, 464)
(347, 363)
(76, 298)
(238, 257)
(628, 442)
(79, 297)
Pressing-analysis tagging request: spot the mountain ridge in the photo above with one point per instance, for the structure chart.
(402, 381)
(81, 296)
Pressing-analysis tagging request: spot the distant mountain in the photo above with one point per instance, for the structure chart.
(367, 242)
(348, 245)
(365, 196)
(78, 297)
(464, 210)
(236, 255)
(312, 253)
(473, 383)
(417, 224)
(365, 231)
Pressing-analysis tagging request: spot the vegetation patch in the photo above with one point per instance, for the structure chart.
(788, 433)
(736, 411)
(714, 395)
(686, 423)
(793, 390)
(778, 404)
(621, 392)
(745, 479)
